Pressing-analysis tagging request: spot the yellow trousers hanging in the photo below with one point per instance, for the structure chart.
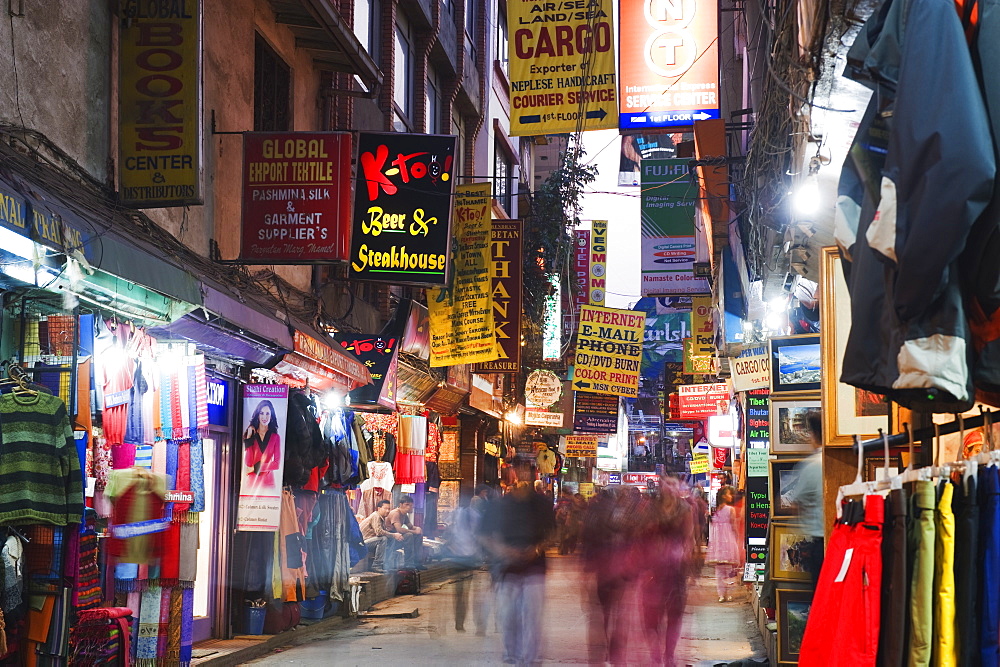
(946, 646)
(922, 580)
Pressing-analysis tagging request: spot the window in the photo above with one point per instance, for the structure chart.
(470, 30)
(458, 129)
(432, 107)
(402, 91)
(503, 171)
(502, 46)
(366, 13)
(271, 90)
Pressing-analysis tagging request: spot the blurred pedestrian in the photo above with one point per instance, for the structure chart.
(461, 549)
(517, 531)
(724, 550)
(806, 498)
(672, 553)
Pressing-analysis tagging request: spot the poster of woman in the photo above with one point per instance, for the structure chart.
(265, 408)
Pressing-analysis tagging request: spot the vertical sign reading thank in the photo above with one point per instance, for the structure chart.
(402, 208)
(461, 317)
(265, 408)
(506, 279)
(296, 196)
(609, 351)
(562, 66)
(159, 93)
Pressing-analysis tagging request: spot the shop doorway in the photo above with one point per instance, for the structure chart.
(209, 591)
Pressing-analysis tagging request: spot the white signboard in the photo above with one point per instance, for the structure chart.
(752, 369)
(539, 418)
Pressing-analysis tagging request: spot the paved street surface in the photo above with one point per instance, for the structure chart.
(712, 633)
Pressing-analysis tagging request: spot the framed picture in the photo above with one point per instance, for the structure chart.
(789, 424)
(847, 410)
(875, 466)
(792, 612)
(796, 364)
(783, 478)
(788, 544)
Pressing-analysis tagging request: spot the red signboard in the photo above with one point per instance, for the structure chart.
(507, 283)
(668, 59)
(296, 197)
(698, 401)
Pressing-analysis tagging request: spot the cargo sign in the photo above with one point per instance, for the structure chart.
(562, 66)
(160, 93)
(609, 351)
(506, 277)
(598, 262)
(402, 208)
(698, 401)
(595, 413)
(581, 446)
(668, 252)
(669, 57)
(752, 369)
(296, 197)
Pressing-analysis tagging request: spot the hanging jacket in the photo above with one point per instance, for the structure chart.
(936, 181)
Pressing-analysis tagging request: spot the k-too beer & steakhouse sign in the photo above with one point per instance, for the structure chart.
(609, 351)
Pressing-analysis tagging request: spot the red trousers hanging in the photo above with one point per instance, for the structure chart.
(843, 623)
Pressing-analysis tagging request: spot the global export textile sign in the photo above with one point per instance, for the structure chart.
(402, 208)
(461, 317)
(669, 63)
(562, 66)
(159, 97)
(296, 197)
(506, 290)
(668, 250)
(609, 351)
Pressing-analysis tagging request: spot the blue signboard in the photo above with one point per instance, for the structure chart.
(654, 119)
(218, 402)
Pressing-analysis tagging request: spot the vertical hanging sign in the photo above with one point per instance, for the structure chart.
(506, 279)
(461, 317)
(159, 97)
(265, 410)
(402, 208)
(598, 262)
(758, 439)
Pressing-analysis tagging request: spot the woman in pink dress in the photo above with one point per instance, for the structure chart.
(262, 455)
(723, 542)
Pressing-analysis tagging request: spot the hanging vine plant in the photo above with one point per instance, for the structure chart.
(555, 211)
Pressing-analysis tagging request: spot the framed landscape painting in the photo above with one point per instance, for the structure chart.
(796, 364)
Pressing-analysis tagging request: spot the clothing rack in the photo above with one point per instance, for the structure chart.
(930, 432)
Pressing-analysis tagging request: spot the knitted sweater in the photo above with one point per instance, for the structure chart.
(40, 479)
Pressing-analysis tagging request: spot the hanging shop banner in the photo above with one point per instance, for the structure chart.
(562, 67)
(265, 408)
(702, 326)
(609, 351)
(507, 283)
(598, 262)
(720, 457)
(542, 389)
(699, 401)
(757, 459)
(543, 418)
(296, 197)
(669, 63)
(461, 317)
(751, 369)
(695, 364)
(159, 112)
(758, 420)
(668, 199)
(581, 269)
(402, 208)
(639, 147)
(595, 413)
(581, 446)
(698, 465)
(378, 354)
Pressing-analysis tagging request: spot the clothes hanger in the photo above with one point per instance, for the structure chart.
(857, 487)
(910, 474)
(14, 532)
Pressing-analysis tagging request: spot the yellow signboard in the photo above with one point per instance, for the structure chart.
(462, 330)
(160, 116)
(609, 351)
(581, 446)
(562, 66)
(598, 262)
(698, 464)
(695, 364)
(702, 326)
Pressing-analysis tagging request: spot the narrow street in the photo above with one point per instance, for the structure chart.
(712, 632)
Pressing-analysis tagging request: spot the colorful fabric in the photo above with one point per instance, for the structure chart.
(187, 626)
(200, 392)
(144, 456)
(198, 475)
(40, 476)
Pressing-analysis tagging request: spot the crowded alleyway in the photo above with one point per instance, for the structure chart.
(712, 632)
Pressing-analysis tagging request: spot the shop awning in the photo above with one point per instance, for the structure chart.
(413, 385)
